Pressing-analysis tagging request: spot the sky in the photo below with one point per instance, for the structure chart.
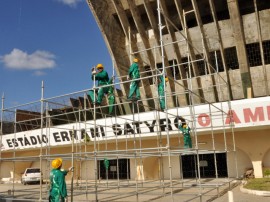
(54, 41)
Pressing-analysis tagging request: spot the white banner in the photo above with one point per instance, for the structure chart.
(245, 113)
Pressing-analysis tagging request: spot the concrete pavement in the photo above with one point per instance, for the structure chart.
(127, 192)
(239, 196)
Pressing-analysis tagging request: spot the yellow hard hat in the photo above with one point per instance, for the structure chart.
(100, 66)
(185, 125)
(135, 60)
(166, 79)
(56, 163)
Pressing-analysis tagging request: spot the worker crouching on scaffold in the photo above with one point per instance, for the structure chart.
(58, 191)
(185, 129)
(134, 73)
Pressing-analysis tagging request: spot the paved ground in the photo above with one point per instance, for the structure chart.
(239, 196)
(126, 192)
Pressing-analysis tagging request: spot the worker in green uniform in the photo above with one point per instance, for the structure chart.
(103, 79)
(58, 191)
(134, 73)
(161, 88)
(111, 96)
(185, 129)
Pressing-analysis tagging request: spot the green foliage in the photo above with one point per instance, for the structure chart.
(266, 172)
(261, 184)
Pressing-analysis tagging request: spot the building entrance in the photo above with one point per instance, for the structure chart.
(207, 165)
(123, 171)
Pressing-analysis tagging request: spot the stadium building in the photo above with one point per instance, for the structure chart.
(216, 55)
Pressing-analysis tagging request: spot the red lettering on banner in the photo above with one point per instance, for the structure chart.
(232, 117)
(268, 112)
(253, 116)
(204, 120)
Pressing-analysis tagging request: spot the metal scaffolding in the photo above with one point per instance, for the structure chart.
(85, 135)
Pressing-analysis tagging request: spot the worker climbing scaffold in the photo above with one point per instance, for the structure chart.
(103, 79)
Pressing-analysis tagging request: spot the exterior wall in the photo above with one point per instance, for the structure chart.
(264, 20)
(228, 40)
(251, 137)
(132, 169)
(120, 43)
(152, 168)
(136, 169)
(250, 26)
(257, 76)
(208, 88)
(236, 84)
(252, 150)
(243, 163)
(175, 164)
(6, 169)
(88, 170)
(266, 159)
(223, 92)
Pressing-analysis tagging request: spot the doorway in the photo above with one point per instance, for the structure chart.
(207, 165)
(123, 171)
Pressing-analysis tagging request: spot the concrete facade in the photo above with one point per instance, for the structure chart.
(228, 27)
(233, 29)
(252, 151)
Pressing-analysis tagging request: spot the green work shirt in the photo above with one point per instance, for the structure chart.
(102, 78)
(58, 183)
(185, 131)
(133, 71)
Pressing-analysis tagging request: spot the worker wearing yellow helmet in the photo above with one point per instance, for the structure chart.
(185, 129)
(134, 73)
(100, 66)
(103, 79)
(58, 191)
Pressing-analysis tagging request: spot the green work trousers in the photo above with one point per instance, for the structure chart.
(111, 99)
(100, 95)
(161, 97)
(58, 191)
(187, 141)
(56, 199)
(134, 88)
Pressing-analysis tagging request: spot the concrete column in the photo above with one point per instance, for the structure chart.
(140, 174)
(239, 38)
(258, 171)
